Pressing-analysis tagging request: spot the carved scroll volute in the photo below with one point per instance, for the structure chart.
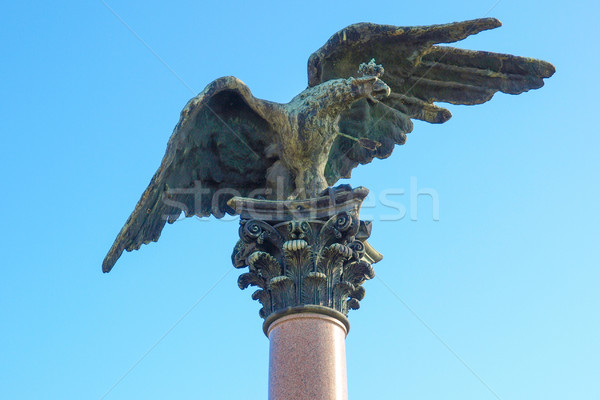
(317, 263)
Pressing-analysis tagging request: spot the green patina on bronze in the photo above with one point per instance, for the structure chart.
(229, 143)
(305, 253)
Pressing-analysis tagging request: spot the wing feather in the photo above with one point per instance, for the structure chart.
(218, 144)
(419, 73)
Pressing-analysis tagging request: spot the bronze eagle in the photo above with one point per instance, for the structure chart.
(227, 142)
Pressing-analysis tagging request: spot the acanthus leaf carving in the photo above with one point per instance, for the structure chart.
(312, 259)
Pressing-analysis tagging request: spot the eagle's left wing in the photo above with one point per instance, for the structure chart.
(419, 73)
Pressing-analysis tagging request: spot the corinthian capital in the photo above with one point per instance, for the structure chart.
(305, 255)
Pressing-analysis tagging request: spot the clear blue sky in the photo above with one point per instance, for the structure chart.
(507, 278)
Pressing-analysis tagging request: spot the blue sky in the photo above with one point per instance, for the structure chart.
(503, 288)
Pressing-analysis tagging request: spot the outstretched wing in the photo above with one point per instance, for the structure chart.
(419, 74)
(215, 152)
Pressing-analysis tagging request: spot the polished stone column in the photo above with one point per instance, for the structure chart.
(308, 259)
(307, 358)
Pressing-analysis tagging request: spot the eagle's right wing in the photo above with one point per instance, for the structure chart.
(218, 144)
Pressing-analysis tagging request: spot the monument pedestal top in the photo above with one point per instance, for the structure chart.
(308, 259)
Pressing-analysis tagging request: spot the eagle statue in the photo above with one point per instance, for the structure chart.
(229, 143)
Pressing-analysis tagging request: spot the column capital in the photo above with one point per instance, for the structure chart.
(305, 255)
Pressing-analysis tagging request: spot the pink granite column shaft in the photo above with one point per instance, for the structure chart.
(307, 358)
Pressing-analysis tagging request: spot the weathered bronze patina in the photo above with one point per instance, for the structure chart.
(305, 255)
(229, 143)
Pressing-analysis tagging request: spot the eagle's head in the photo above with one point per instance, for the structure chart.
(369, 81)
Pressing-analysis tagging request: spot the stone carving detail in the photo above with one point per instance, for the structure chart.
(321, 261)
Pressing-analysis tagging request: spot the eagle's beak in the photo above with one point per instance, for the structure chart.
(380, 89)
(371, 87)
